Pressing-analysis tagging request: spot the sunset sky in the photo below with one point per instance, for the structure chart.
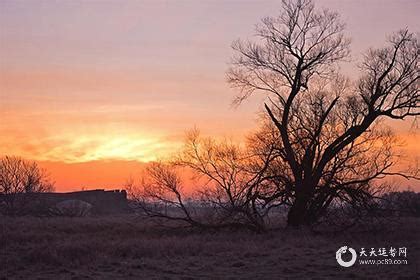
(94, 89)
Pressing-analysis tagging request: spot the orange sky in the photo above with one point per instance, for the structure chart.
(92, 174)
(92, 90)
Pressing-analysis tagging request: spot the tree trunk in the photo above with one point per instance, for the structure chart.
(298, 215)
(299, 212)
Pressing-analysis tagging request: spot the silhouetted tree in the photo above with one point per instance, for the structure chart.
(18, 179)
(330, 144)
(226, 182)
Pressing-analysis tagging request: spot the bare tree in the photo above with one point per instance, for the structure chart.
(331, 146)
(227, 186)
(18, 179)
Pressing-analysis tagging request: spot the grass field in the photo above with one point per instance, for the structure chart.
(129, 248)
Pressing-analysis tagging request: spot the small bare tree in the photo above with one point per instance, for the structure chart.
(18, 180)
(227, 186)
(330, 145)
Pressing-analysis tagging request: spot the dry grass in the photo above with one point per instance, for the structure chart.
(126, 248)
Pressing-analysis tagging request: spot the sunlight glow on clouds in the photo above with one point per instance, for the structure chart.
(71, 148)
(104, 147)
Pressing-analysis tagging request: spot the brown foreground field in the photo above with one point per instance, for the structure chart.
(128, 248)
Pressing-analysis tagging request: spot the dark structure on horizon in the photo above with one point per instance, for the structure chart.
(104, 202)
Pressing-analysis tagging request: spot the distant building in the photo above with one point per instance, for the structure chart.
(103, 202)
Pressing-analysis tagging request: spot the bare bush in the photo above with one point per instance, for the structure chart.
(71, 208)
(405, 203)
(227, 182)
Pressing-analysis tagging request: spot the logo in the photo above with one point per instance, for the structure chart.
(342, 251)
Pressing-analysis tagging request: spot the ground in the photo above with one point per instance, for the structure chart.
(127, 247)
